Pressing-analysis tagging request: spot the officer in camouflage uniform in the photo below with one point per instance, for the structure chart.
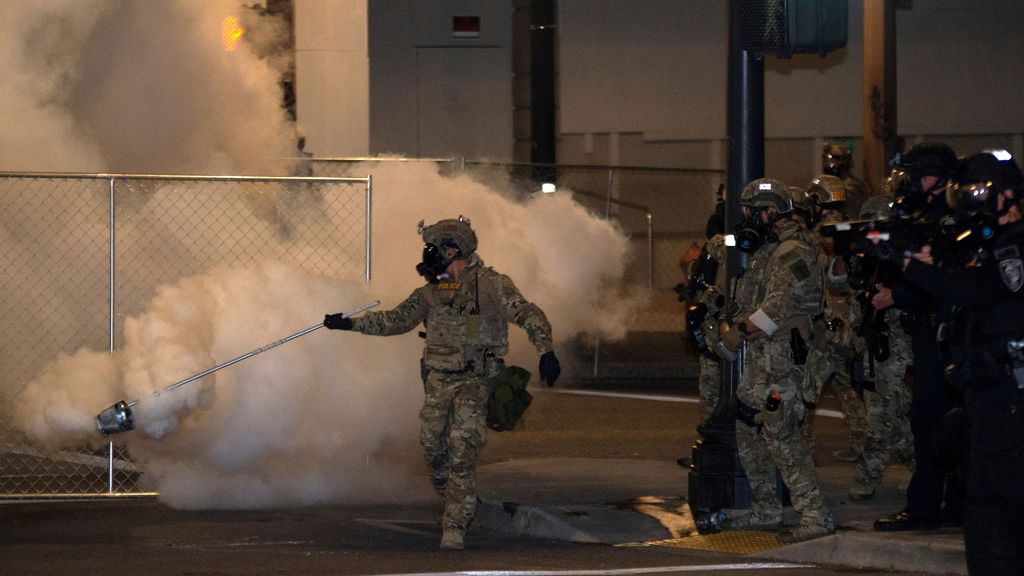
(710, 372)
(885, 390)
(837, 160)
(704, 300)
(838, 343)
(776, 298)
(466, 308)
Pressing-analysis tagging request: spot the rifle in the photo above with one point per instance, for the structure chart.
(866, 274)
(890, 239)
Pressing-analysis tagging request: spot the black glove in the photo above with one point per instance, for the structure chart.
(549, 368)
(337, 322)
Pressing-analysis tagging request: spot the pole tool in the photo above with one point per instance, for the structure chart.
(118, 417)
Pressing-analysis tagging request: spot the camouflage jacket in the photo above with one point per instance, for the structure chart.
(783, 285)
(466, 321)
(712, 294)
(837, 328)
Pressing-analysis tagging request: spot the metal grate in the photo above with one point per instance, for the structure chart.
(731, 541)
(78, 247)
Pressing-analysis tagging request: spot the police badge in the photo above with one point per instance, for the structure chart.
(1011, 267)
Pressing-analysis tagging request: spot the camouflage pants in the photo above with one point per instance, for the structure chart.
(708, 386)
(452, 431)
(888, 431)
(829, 366)
(779, 442)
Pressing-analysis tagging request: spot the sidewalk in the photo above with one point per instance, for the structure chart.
(642, 502)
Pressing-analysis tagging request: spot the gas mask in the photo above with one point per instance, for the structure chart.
(910, 198)
(833, 168)
(435, 265)
(752, 231)
(977, 214)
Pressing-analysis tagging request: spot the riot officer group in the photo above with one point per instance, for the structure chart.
(911, 307)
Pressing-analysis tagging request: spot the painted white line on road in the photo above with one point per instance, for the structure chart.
(665, 398)
(658, 397)
(616, 571)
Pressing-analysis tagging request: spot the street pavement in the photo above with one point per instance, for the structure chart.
(625, 501)
(588, 485)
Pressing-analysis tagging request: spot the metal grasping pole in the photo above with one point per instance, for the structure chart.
(259, 350)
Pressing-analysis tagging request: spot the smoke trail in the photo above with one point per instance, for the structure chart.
(133, 86)
(145, 86)
(309, 421)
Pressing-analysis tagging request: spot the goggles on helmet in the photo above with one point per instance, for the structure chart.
(971, 198)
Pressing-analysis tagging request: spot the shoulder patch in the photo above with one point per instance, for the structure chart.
(788, 257)
(800, 270)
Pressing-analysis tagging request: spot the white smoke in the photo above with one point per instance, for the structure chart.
(145, 86)
(307, 421)
(131, 86)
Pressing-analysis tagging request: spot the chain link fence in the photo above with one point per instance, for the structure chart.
(81, 253)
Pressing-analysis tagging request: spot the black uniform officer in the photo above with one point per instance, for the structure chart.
(921, 176)
(988, 358)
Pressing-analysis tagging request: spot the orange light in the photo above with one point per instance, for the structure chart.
(230, 33)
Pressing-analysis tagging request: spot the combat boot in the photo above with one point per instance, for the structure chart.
(807, 532)
(755, 520)
(451, 539)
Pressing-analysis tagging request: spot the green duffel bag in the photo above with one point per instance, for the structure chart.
(509, 398)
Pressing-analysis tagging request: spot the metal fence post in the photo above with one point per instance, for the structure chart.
(650, 249)
(369, 223)
(112, 312)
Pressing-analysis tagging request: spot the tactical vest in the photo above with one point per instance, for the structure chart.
(465, 323)
(751, 288)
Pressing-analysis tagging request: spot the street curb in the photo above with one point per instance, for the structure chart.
(878, 551)
(606, 524)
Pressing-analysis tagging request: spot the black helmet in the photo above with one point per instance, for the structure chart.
(980, 178)
(925, 159)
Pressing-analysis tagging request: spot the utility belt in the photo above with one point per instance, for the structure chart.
(470, 366)
(802, 323)
(483, 362)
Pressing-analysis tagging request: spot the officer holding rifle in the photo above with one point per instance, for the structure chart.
(986, 288)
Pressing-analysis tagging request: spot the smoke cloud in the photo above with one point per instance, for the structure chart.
(308, 421)
(129, 86)
(329, 417)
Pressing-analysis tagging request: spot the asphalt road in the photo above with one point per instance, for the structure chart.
(143, 537)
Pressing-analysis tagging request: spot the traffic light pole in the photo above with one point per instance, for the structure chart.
(716, 479)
